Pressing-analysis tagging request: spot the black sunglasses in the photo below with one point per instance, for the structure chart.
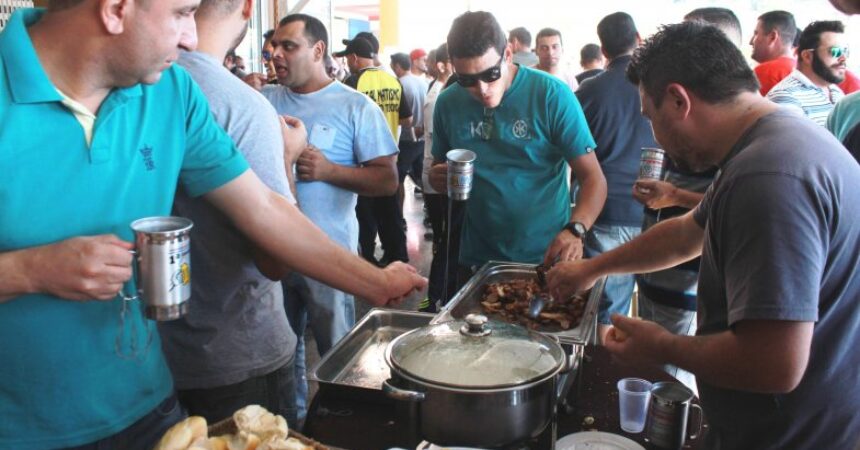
(267, 55)
(487, 76)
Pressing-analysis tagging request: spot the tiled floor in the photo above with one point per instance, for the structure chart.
(420, 256)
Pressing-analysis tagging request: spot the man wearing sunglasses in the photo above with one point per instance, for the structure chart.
(525, 127)
(821, 62)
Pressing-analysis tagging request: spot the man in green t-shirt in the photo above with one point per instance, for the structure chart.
(526, 127)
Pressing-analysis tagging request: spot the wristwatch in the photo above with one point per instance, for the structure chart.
(576, 228)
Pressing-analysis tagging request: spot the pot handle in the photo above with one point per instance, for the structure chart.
(570, 363)
(401, 394)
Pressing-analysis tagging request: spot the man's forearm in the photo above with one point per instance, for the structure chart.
(589, 201)
(291, 179)
(763, 357)
(13, 275)
(686, 199)
(662, 246)
(278, 228)
(371, 181)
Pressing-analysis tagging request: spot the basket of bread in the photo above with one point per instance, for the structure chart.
(251, 428)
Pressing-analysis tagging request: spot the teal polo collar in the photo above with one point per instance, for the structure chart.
(28, 82)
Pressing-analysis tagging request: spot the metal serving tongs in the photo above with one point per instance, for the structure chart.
(538, 302)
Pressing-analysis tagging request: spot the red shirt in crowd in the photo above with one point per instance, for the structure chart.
(850, 84)
(769, 73)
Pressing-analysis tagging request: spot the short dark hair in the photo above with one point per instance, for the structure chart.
(402, 60)
(810, 37)
(699, 57)
(782, 22)
(268, 34)
(522, 35)
(547, 32)
(722, 18)
(473, 33)
(217, 8)
(314, 29)
(589, 52)
(442, 54)
(617, 34)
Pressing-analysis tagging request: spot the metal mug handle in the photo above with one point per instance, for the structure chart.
(401, 394)
(701, 419)
(135, 268)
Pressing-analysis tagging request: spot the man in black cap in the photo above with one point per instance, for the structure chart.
(382, 214)
(369, 37)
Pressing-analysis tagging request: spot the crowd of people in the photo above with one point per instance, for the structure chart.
(743, 253)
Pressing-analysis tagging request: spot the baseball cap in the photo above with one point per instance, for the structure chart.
(417, 53)
(369, 37)
(359, 46)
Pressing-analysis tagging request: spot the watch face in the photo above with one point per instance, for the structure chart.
(576, 228)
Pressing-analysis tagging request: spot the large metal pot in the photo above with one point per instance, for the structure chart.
(476, 382)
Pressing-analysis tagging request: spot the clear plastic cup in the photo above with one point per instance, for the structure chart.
(633, 397)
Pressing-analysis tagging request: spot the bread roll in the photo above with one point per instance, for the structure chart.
(254, 419)
(183, 434)
(283, 444)
(243, 441)
(214, 443)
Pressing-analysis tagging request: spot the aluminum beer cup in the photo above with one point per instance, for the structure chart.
(652, 164)
(163, 263)
(668, 411)
(461, 168)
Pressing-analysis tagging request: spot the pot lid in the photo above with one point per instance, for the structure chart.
(476, 353)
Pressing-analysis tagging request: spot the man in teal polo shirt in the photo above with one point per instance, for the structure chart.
(525, 127)
(98, 128)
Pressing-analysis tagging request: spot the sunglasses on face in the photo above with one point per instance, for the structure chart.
(487, 76)
(267, 55)
(838, 52)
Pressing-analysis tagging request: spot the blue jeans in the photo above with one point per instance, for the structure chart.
(146, 432)
(618, 288)
(677, 321)
(330, 314)
(275, 391)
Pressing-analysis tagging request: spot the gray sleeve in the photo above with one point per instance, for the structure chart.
(259, 138)
(700, 214)
(773, 237)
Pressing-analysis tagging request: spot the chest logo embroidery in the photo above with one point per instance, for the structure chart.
(520, 129)
(148, 162)
(479, 129)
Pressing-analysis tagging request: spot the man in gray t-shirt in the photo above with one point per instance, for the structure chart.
(779, 236)
(234, 345)
(411, 145)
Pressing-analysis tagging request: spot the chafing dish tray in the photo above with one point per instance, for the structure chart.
(356, 364)
(468, 300)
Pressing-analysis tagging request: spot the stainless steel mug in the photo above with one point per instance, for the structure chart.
(461, 169)
(163, 263)
(668, 411)
(652, 163)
